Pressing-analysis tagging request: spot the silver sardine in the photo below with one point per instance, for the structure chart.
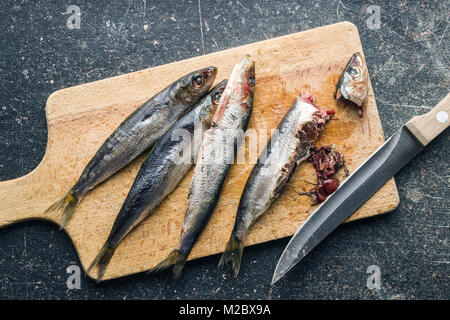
(137, 133)
(297, 132)
(215, 158)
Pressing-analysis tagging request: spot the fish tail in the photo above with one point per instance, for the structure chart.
(102, 260)
(175, 258)
(233, 254)
(67, 204)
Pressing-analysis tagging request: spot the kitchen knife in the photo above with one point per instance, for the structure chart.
(397, 151)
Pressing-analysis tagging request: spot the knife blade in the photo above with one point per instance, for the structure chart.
(381, 166)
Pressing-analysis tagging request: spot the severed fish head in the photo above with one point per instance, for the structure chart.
(195, 85)
(207, 112)
(354, 82)
(239, 90)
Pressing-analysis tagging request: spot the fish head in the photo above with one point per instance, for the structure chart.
(196, 84)
(354, 82)
(210, 108)
(239, 90)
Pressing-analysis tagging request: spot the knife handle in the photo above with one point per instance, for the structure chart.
(428, 126)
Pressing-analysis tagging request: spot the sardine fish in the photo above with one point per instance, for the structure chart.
(286, 149)
(160, 173)
(215, 158)
(137, 133)
(353, 84)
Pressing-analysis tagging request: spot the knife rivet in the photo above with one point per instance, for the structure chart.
(442, 116)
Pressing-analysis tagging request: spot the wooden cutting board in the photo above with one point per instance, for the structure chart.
(80, 118)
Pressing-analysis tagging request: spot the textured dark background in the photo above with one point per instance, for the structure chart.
(408, 60)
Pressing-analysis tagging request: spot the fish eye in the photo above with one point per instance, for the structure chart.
(216, 97)
(198, 81)
(251, 81)
(354, 71)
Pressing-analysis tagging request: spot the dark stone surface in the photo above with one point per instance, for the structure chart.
(408, 60)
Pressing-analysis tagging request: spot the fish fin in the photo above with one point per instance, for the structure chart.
(67, 204)
(233, 254)
(175, 258)
(102, 260)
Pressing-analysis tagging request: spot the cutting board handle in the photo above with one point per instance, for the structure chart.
(428, 126)
(23, 198)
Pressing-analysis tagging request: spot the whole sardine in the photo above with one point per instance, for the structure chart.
(286, 149)
(353, 84)
(160, 173)
(137, 133)
(215, 158)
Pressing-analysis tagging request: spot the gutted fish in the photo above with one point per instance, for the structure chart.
(160, 173)
(215, 158)
(286, 149)
(137, 133)
(354, 82)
